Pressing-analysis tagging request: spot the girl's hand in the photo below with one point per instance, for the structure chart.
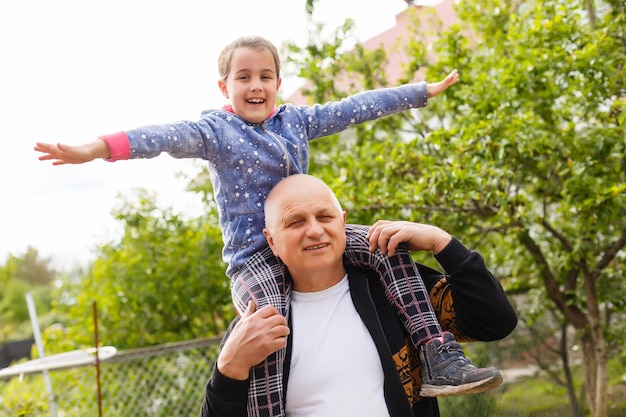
(387, 235)
(434, 89)
(61, 154)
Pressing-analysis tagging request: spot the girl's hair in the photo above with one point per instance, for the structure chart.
(254, 42)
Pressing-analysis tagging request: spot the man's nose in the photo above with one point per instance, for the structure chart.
(314, 228)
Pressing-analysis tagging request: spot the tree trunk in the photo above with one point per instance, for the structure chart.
(569, 379)
(596, 378)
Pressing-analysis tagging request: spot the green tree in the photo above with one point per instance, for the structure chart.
(163, 281)
(524, 158)
(22, 274)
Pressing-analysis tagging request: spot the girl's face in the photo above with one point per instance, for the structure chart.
(252, 84)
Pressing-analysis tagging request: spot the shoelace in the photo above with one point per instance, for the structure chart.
(451, 347)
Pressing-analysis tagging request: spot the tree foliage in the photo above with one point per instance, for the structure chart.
(524, 159)
(162, 281)
(20, 275)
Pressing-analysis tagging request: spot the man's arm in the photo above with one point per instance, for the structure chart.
(482, 309)
(477, 304)
(250, 339)
(225, 397)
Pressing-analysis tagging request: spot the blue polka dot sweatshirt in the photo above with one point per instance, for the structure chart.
(246, 159)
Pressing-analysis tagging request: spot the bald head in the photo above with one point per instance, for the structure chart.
(295, 189)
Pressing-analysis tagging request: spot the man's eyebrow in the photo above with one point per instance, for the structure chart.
(287, 218)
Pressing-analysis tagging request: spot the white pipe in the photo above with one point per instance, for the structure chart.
(37, 333)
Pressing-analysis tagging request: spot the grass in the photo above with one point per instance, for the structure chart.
(540, 396)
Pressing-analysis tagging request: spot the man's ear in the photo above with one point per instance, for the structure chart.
(223, 88)
(270, 239)
(343, 215)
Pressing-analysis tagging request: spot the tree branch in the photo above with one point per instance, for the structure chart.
(609, 255)
(570, 279)
(576, 317)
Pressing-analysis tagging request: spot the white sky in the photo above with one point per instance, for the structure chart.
(71, 70)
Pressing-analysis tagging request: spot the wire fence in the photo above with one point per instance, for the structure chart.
(168, 380)
(160, 381)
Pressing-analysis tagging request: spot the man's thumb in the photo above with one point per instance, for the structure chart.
(250, 309)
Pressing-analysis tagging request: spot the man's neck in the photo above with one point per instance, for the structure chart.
(311, 281)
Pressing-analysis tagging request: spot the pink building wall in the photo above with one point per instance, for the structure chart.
(395, 39)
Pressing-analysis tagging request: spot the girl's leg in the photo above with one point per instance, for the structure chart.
(445, 370)
(403, 285)
(262, 280)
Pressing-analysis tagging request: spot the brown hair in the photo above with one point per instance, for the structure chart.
(254, 42)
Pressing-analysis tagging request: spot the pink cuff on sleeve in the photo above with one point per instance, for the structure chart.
(119, 145)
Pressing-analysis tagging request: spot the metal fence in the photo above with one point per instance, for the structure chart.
(168, 380)
(160, 381)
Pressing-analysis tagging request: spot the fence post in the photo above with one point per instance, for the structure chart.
(37, 333)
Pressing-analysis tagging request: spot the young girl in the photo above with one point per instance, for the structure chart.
(250, 145)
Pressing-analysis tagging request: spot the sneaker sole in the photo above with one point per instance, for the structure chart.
(428, 390)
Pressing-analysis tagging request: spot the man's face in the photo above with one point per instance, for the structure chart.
(306, 229)
(252, 84)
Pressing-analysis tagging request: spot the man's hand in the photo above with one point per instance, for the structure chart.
(61, 154)
(434, 89)
(258, 334)
(387, 235)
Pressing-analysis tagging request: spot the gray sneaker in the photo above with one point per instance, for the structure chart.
(446, 370)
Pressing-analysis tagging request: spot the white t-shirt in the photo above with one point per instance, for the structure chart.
(335, 367)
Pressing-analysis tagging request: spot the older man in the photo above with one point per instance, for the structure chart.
(348, 352)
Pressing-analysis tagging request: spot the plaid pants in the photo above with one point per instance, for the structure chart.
(262, 279)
